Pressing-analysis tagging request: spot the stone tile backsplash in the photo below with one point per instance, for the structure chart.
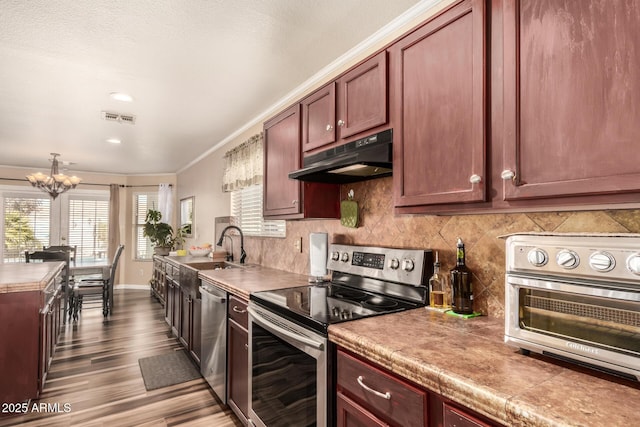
(378, 226)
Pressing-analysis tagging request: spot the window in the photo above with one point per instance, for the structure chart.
(89, 227)
(246, 207)
(143, 202)
(26, 225)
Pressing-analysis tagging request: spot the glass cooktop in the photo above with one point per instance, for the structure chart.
(318, 306)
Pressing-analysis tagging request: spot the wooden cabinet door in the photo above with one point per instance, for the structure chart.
(238, 366)
(196, 330)
(168, 306)
(438, 75)
(319, 118)
(176, 316)
(281, 156)
(185, 318)
(362, 97)
(350, 414)
(571, 98)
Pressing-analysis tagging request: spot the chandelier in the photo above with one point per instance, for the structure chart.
(56, 183)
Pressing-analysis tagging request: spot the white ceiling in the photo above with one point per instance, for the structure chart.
(198, 71)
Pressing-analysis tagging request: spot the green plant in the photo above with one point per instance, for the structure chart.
(159, 233)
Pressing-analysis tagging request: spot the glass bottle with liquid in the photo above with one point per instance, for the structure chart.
(462, 290)
(438, 295)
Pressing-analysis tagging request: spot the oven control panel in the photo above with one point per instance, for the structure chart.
(407, 266)
(599, 257)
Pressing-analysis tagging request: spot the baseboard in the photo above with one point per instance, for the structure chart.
(139, 287)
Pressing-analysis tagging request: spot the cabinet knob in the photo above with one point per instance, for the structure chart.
(341, 123)
(508, 175)
(475, 179)
(329, 128)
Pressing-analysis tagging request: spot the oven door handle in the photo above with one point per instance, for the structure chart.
(289, 334)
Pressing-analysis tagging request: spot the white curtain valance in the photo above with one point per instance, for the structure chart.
(243, 165)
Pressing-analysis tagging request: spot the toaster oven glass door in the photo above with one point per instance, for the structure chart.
(597, 324)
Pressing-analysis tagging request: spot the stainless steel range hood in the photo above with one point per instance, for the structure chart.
(359, 160)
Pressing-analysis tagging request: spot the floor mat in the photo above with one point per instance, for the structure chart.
(167, 369)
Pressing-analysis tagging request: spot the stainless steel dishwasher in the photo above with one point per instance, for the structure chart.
(213, 365)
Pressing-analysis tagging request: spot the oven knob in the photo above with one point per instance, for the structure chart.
(394, 263)
(335, 256)
(537, 257)
(633, 263)
(567, 259)
(344, 257)
(407, 265)
(602, 261)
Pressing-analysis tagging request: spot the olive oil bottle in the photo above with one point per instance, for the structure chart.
(461, 287)
(438, 293)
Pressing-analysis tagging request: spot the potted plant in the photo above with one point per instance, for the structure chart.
(159, 233)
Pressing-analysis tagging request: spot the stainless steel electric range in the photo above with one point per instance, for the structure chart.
(291, 360)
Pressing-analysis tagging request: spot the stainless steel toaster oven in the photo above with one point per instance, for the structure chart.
(576, 297)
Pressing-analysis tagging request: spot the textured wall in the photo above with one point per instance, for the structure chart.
(485, 250)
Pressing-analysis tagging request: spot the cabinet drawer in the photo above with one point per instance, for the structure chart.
(238, 311)
(455, 417)
(384, 395)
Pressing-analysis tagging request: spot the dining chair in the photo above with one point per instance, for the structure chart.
(50, 256)
(71, 249)
(100, 288)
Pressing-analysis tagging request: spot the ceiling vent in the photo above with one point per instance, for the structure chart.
(117, 117)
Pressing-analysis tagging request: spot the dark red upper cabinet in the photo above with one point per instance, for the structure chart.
(351, 105)
(571, 98)
(362, 97)
(437, 94)
(319, 118)
(281, 156)
(286, 198)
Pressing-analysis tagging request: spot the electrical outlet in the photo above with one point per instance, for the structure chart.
(297, 244)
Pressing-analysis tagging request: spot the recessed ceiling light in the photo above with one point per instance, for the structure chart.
(119, 96)
(114, 140)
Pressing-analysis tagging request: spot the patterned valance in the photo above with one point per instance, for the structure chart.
(243, 165)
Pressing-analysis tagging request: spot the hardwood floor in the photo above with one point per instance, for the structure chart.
(95, 373)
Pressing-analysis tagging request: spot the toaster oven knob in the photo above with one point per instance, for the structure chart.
(335, 256)
(633, 263)
(537, 257)
(394, 263)
(567, 259)
(407, 265)
(602, 261)
(344, 257)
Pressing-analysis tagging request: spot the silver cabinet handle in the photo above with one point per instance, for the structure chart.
(386, 395)
(341, 123)
(294, 202)
(508, 175)
(475, 179)
(237, 310)
(329, 128)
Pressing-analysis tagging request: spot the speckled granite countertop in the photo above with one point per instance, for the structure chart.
(467, 361)
(24, 277)
(252, 278)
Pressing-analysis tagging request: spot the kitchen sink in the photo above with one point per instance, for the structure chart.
(212, 265)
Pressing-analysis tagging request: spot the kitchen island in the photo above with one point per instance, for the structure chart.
(466, 361)
(30, 318)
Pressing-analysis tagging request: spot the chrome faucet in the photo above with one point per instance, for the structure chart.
(243, 254)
